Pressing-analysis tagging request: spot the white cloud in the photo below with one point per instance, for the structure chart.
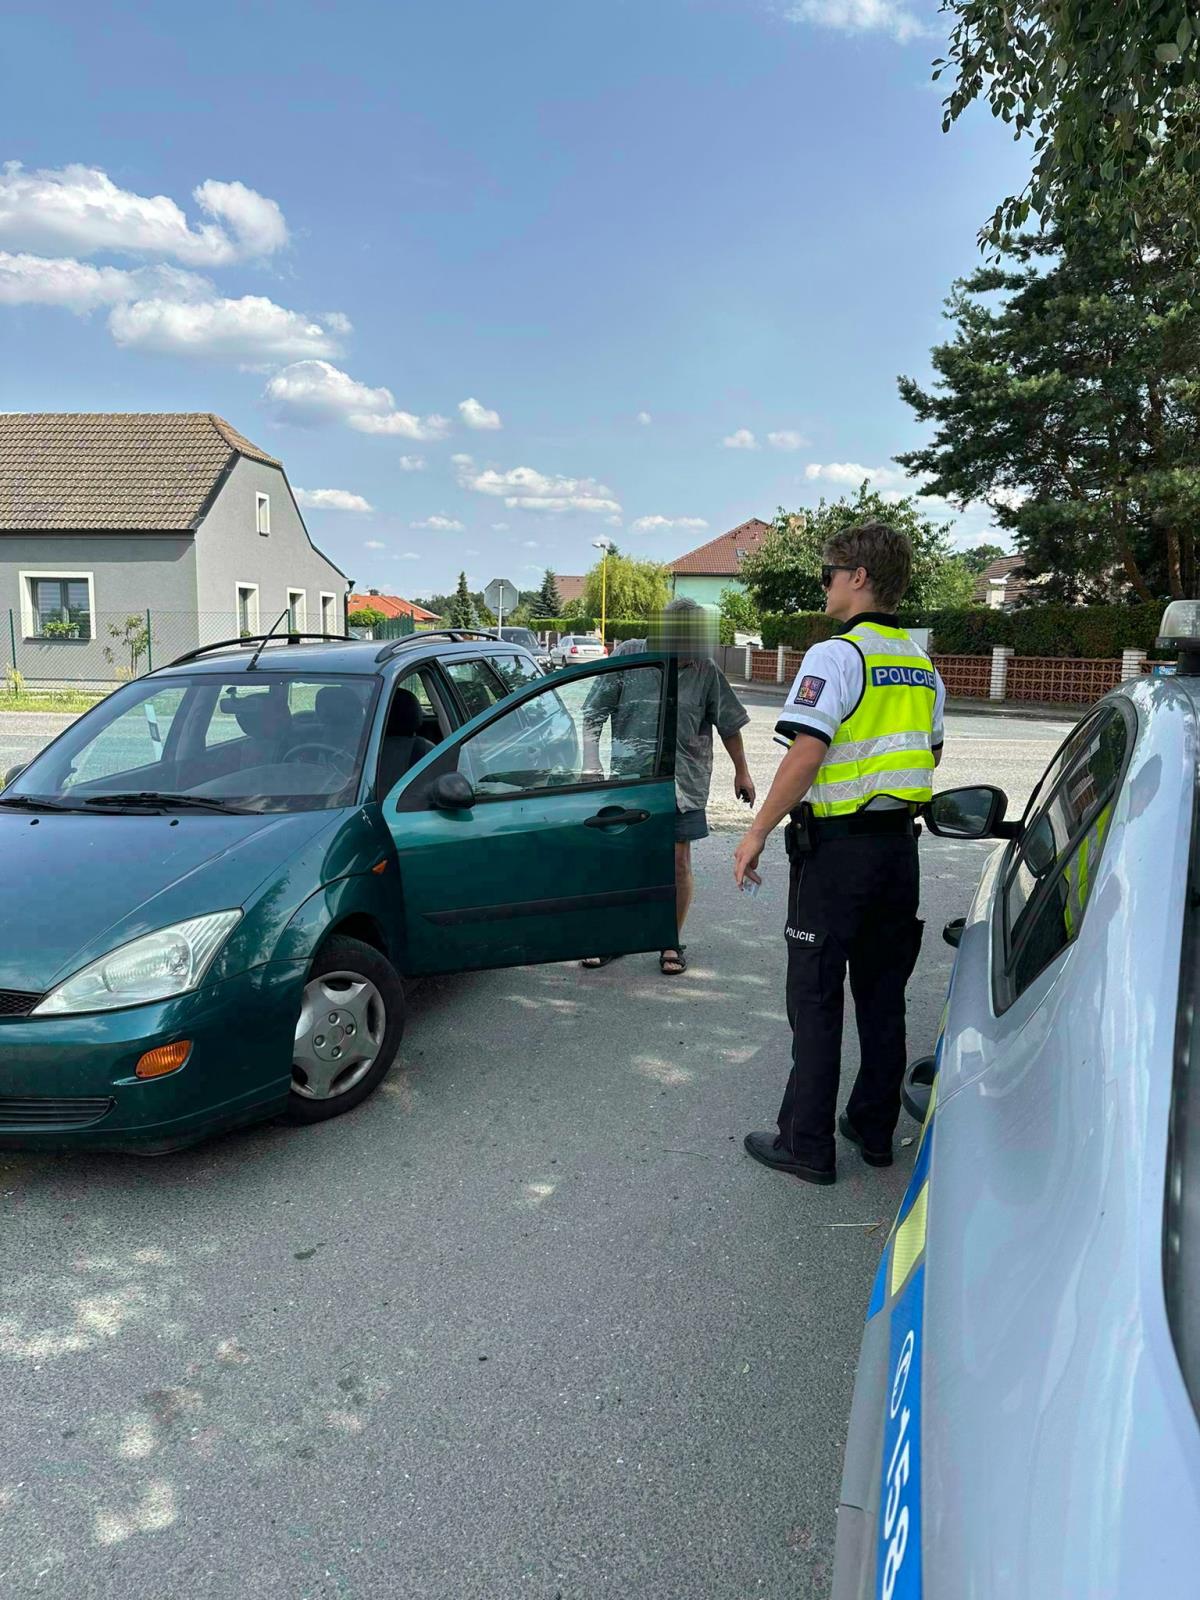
(1010, 499)
(500, 527)
(250, 329)
(478, 416)
(529, 490)
(337, 322)
(851, 474)
(462, 461)
(412, 463)
(440, 524)
(331, 500)
(614, 522)
(529, 544)
(786, 439)
(742, 439)
(644, 418)
(664, 524)
(374, 544)
(409, 555)
(404, 424)
(79, 209)
(315, 391)
(862, 16)
(79, 286)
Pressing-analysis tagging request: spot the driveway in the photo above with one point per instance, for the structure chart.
(528, 1324)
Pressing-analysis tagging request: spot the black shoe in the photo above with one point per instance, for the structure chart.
(873, 1158)
(770, 1149)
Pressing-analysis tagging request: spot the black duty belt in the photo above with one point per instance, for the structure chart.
(859, 823)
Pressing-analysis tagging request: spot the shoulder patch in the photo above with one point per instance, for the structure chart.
(808, 691)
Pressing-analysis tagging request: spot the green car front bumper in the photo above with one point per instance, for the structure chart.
(68, 1082)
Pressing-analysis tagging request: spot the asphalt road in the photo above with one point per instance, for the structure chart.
(527, 1324)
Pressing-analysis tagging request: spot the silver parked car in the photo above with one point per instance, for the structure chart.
(1026, 1417)
(575, 648)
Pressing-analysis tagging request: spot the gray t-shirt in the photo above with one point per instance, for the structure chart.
(705, 702)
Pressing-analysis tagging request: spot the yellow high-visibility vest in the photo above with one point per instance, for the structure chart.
(1077, 875)
(885, 746)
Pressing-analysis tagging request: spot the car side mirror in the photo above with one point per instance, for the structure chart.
(451, 792)
(14, 773)
(975, 813)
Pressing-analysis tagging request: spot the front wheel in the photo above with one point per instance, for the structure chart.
(348, 1032)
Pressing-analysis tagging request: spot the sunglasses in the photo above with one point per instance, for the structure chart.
(828, 570)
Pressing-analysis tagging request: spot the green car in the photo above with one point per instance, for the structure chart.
(219, 879)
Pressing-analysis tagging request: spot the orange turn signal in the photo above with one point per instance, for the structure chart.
(166, 1058)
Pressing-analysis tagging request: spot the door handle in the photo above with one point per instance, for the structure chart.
(616, 817)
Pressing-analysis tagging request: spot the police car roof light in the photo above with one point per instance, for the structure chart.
(1180, 630)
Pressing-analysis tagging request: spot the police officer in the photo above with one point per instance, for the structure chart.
(863, 725)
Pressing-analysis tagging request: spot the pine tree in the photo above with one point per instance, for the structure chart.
(461, 611)
(549, 601)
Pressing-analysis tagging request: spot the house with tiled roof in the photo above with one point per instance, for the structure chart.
(391, 605)
(702, 574)
(110, 515)
(1002, 584)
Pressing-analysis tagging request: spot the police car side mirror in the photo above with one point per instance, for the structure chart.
(976, 813)
(14, 773)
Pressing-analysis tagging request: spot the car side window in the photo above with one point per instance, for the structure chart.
(477, 685)
(515, 671)
(597, 731)
(1049, 882)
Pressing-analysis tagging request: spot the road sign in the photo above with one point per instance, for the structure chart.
(500, 596)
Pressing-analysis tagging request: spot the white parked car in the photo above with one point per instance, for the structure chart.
(573, 649)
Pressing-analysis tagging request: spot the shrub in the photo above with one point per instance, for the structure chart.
(1078, 632)
(367, 617)
(797, 629)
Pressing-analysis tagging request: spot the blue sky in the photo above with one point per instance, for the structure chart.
(513, 274)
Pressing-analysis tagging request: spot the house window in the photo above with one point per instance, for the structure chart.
(996, 593)
(262, 513)
(297, 607)
(329, 621)
(740, 554)
(57, 605)
(247, 608)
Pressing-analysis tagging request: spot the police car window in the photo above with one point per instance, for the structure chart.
(1051, 878)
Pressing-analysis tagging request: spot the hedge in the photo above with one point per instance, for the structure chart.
(1080, 632)
(563, 624)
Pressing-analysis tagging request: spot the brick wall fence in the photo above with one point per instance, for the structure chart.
(1000, 676)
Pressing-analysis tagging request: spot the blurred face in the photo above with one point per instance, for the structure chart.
(689, 632)
(844, 590)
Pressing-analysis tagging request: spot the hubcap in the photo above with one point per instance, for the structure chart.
(339, 1035)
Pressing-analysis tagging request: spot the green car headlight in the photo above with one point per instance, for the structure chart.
(157, 966)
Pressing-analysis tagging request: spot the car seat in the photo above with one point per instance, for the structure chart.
(402, 745)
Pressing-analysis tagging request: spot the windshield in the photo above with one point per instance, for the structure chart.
(522, 636)
(256, 741)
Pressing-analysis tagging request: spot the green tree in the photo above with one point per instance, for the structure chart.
(1069, 396)
(951, 587)
(548, 603)
(980, 556)
(635, 588)
(366, 617)
(132, 640)
(738, 614)
(460, 611)
(1106, 89)
(784, 573)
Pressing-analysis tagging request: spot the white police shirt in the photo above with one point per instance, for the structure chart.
(828, 688)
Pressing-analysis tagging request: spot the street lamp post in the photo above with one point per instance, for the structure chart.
(604, 546)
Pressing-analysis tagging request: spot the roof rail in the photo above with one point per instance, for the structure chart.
(458, 635)
(258, 639)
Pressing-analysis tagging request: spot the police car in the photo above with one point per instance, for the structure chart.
(1026, 1416)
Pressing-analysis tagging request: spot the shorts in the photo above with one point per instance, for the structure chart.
(690, 825)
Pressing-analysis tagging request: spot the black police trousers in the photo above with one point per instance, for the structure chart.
(852, 903)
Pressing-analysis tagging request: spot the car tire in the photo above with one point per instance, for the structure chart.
(348, 1031)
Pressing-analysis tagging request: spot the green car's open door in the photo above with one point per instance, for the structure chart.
(544, 829)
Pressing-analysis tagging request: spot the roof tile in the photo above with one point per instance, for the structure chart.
(720, 557)
(139, 472)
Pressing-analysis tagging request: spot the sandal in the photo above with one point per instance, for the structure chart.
(672, 963)
(593, 963)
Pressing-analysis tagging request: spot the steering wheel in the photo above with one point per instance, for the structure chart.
(328, 755)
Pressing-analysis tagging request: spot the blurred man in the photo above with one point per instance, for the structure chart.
(705, 702)
(864, 721)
